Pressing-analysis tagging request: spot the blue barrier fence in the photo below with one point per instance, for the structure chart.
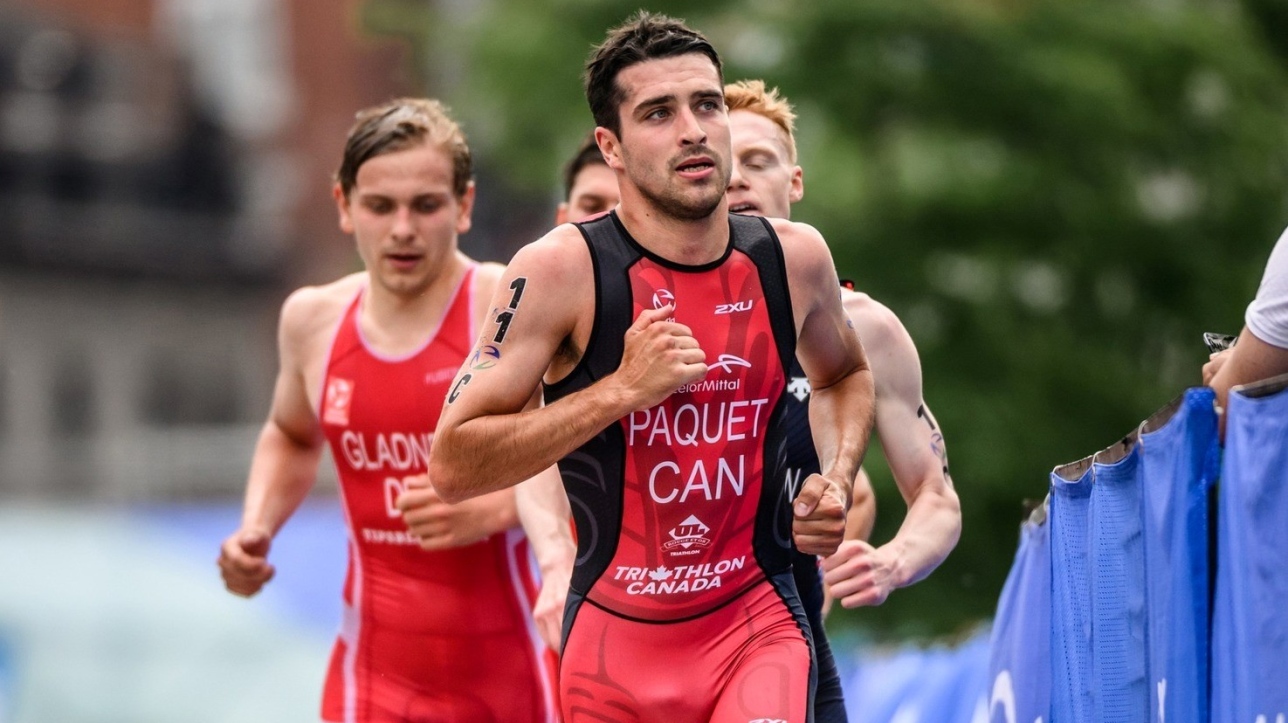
(1105, 617)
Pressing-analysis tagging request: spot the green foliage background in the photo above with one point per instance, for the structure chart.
(1056, 196)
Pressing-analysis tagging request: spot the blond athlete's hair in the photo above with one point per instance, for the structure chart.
(752, 95)
(400, 124)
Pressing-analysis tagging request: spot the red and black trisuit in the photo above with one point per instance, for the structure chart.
(683, 606)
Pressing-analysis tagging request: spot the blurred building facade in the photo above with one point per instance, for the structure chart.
(164, 181)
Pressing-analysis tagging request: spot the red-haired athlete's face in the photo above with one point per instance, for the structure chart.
(674, 140)
(405, 218)
(764, 182)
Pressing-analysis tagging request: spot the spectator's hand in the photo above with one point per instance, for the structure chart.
(439, 525)
(243, 561)
(1214, 364)
(860, 574)
(818, 516)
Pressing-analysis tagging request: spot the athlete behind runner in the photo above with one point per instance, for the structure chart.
(766, 181)
(664, 331)
(590, 188)
(437, 597)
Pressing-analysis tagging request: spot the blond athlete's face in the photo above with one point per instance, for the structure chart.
(404, 217)
(594, 191)
(764, 181)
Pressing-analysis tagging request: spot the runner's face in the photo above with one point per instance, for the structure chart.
(594, 191)
(405, 218)
(764, 181)
(674, 141)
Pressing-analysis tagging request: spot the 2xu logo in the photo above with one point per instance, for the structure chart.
(735, 306)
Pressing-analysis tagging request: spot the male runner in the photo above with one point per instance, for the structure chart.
(590, 189)
(664, 331)
(766, 182)
(590, 186)
(437, 596)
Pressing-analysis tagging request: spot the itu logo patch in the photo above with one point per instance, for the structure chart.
(485, 357)
(339, 397)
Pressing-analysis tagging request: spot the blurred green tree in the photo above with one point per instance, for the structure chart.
(1056, 196)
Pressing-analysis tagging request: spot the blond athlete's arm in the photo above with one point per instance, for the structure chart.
(284, 465)
(432, 521)
(860, 574)
(547, 522)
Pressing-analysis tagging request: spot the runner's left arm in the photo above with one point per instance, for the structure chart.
(843, 396)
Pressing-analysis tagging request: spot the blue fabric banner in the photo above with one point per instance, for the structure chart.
(1071, 594)
(1179, 463)
(1249, 625)
(1117, 559)
(1019, 670)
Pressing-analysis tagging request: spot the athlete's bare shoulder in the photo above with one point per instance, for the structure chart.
(804, 250)
(811, 275)
(562, 243)
(310, 314)
(875, 322)
(558, 262)
(558, 278)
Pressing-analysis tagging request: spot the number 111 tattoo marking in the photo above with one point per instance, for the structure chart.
(504, 318)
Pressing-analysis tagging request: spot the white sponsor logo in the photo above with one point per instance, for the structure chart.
(735, 306)
(388, 537)
(662, 297)
(688, 534)
(799, 388)
(727, 362)
(662, 580)
(1003, 696)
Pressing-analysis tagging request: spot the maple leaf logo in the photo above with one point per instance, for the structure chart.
(661, 573)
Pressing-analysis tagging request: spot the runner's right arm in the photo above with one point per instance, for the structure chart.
(484, 441)
(284, 465)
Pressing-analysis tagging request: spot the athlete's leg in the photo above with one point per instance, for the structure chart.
(770, 679)
(829, 698)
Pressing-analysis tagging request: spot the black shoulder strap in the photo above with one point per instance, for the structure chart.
(754, 236)
(611, 257)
